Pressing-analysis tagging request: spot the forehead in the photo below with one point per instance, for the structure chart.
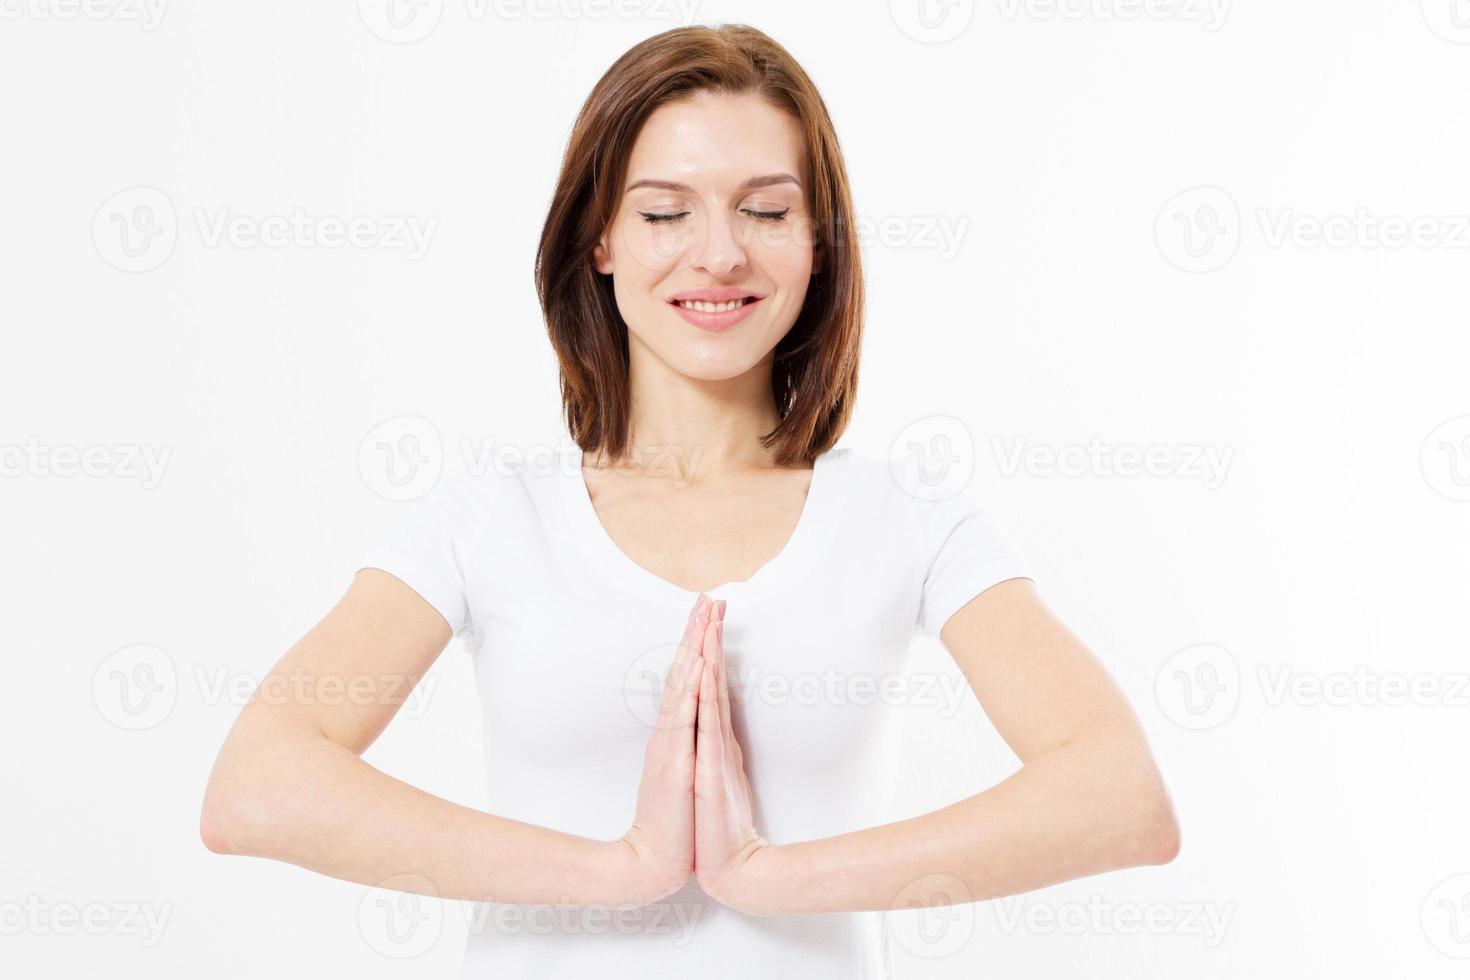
(715, 139)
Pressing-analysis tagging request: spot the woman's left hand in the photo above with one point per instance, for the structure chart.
(729, 854)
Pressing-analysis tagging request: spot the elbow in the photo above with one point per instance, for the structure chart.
(1136, 814)
(213, 836)
(1155, 830)
(216, 825)
(226, 819)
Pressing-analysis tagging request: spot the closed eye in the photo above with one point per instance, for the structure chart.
(653, 217)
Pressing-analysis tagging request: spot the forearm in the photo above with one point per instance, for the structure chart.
(304, 799)
(1078, 810)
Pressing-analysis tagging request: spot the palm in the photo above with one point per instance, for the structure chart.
(725, 836)
(663, 828)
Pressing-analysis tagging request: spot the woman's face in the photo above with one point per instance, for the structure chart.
(712, 206)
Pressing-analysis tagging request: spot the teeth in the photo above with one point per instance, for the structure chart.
(704, 307)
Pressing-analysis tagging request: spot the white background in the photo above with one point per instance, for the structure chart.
(1097, 227)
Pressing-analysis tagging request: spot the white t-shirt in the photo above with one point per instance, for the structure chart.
(570, 639)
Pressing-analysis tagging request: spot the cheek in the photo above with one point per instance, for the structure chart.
(646, 252)
(783, 250)
(788, 267)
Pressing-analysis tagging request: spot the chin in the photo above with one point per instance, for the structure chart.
(705, 371)
(721, 367)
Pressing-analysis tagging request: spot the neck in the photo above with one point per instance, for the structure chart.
(711, 427)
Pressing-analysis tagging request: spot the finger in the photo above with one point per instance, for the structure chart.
(727, 716)
(710, 728)
(691, 644)
(681, 681)
(722, 690)
(682, 694)
(722, 686)
(688, 704)
(672, 748)
(693, 636)
(735, 748)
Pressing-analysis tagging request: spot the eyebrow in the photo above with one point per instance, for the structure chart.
(765, 180)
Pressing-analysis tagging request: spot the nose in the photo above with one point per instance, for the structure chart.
(720, 252)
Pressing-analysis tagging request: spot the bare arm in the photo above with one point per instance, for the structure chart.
(1088, 798)
(289, 782)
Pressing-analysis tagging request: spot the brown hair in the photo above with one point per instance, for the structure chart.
(814, 377)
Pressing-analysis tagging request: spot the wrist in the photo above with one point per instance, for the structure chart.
(770, 881)
(760, 885)
(635, 879)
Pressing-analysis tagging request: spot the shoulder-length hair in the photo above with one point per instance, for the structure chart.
(814, 376)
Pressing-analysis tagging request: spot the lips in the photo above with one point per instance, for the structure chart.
(716, 316)
(716, 294)
(708, 306)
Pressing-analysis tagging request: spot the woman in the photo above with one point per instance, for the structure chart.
(700, 279)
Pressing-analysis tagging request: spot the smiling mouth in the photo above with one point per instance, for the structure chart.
(702, 306)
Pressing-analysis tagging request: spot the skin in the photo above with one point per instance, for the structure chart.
(290, 784)
(701, 400)
(725, 838)
(1088, 798)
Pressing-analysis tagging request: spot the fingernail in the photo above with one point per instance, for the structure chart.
(720, 630)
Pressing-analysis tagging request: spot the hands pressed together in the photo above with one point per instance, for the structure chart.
(694, 802)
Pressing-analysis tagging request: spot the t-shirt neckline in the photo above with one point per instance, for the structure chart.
(782, 572)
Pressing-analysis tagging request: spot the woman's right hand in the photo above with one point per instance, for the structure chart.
(662, 836)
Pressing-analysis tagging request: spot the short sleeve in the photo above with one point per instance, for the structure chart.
(964, 550)
(420, 545)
